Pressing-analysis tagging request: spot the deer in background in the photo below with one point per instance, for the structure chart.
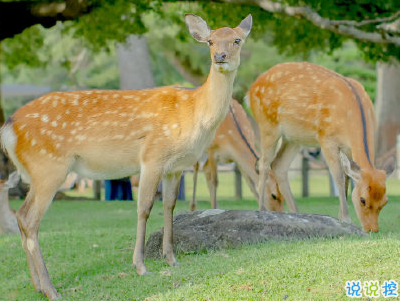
(106, 134)
(235, 142)
(310, 105)
(8, 221)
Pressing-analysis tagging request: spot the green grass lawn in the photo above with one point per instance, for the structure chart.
(87, 246)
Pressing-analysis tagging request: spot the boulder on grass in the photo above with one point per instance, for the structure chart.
(219, 229)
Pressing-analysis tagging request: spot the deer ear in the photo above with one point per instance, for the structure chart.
(198, 28)
(350, 167)
(246, 25)
(13, 179)
(389, 165)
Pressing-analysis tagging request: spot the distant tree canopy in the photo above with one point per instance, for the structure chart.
(295, 26)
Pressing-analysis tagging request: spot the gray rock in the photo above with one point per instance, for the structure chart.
(218, 229)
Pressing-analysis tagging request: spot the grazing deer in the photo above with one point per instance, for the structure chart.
(112, 134)
(307, 104)
(8, 221)
(234, 142)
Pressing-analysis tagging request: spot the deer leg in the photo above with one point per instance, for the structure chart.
(331, 154)
(280, 167)
(210, 171)
(268, 143)
(29, 217)
(170, 193)
(149, 179)
(193, 202)
(34, 275)
(346, 185)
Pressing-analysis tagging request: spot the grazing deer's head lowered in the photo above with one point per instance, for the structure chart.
(310, 105)
(106, 134)
(369, 194)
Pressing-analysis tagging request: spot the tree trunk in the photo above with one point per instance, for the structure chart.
(387, 105)
(134, 64)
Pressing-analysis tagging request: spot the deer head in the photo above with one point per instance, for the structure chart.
(225, 43)
(369, 194)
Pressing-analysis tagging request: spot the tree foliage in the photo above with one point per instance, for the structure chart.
(114, 20)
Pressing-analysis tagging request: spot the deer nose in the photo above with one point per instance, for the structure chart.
(219, 57)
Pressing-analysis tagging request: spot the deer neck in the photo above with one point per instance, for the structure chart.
(360, 157)
(215, 96)
(363, 151)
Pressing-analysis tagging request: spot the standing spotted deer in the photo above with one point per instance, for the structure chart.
(235, 142)
(310, 105)
(112, 134)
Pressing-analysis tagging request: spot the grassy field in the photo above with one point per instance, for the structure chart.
(87, 246)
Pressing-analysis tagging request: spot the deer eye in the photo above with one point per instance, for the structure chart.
(237, 41)
(210, 43)
(362, 200)
(273, 196)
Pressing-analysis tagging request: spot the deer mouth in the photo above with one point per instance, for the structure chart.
(222, 67)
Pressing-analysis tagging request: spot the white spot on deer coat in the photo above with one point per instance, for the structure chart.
(80, 137)
(54, 123)
(32, 115)
(45, 118)
(118, 137)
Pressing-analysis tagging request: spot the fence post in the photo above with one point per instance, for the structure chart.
(238, 184)
(97, 189)
(304, 175)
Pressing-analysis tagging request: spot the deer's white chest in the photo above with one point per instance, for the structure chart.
(196, 145)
